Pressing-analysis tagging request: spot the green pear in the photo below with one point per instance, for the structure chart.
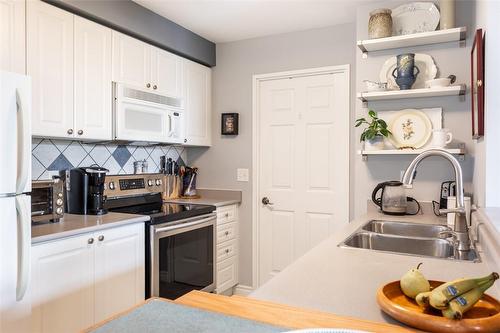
(414, 283)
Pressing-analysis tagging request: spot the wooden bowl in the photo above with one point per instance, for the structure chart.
(483, 317)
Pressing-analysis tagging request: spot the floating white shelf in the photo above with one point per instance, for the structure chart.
(422, 38)
(412, 93)
(460, 151)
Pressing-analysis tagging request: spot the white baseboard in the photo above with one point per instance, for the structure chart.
(242, 290)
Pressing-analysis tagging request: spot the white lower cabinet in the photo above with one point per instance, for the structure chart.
(79, 281)
(226, 248)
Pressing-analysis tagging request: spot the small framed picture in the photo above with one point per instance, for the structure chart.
(229, 124)
(477, 85)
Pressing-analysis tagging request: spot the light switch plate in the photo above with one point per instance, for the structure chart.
(242, 175)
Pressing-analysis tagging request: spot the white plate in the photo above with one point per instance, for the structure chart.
(411, 128)
(424, 62)
(434, 114)
(414, 17)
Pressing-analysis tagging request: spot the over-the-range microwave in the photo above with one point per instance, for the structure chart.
(141, 115)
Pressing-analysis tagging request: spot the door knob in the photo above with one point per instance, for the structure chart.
(266, 202)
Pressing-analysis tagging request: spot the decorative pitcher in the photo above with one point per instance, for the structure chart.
(405, 69)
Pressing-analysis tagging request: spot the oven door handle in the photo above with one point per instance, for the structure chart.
(184, 225)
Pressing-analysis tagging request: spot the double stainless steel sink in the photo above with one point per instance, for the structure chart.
(407, 238)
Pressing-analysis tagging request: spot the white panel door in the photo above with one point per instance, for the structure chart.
(13, 36)
(166, 73)
(131, 61)
(63, 285)
(119, 270)
(50, 64)
(304, 165)
(198, 104)
(93, 88)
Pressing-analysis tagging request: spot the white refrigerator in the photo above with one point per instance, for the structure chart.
(15, 201)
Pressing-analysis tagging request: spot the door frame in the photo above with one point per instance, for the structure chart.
(256, 80)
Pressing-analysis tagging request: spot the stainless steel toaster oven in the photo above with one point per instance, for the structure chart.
(47, 200)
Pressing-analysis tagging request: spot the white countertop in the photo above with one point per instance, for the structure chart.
(344, 281)
(72, 224)
(214, 197)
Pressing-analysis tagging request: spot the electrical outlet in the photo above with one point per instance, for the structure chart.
(242, 175)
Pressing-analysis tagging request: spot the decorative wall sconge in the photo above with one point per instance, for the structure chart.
(229, 123)
(477, 85)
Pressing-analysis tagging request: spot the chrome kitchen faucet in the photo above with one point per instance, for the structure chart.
(460, 229)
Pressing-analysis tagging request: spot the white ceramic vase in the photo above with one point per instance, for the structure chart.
(377, 143)
(447, 12)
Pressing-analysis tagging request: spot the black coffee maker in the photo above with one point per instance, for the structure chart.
(84, 188)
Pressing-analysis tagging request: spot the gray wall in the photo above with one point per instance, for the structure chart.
(232, 92)
(134, 20)
(450, 59)
(486, 175)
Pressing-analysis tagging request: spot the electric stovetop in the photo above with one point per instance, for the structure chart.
(159, 211)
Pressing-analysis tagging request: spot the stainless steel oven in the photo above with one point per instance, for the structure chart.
(182, 256)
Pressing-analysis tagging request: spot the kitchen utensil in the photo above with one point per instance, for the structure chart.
(440, 82)
(425, 64)
(483, 317)
(375, 86)
(410, 129)
(414, 17)
(393, 199)
(380, 23)
(405, 70)
(140, 167)
(440, 138)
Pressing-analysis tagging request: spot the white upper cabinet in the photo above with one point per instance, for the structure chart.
(166, 73)
(13, 36)
(131, 61)
(145, 66)
(93, 88)
(198, 104)
(50, 64)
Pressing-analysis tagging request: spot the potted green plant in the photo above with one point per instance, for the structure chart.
(373, 135)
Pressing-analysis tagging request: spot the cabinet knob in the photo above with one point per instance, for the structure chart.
(70, 131)
(185, 140)
(226, 233)
(148, 85)
(226, 215)
(90, 241)
(227, 250)
(154, 87)
(100, 238)
(80, 132)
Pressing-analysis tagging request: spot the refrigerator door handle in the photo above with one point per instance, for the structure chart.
(24, 246)
(23, 146)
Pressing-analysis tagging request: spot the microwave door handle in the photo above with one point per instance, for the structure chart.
(23, 148)
(170, 131)
(24, 241)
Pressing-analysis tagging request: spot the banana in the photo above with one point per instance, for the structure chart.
(423, 299)
(460, 304)
(442, 295)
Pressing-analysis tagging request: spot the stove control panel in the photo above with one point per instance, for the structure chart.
(125, 185)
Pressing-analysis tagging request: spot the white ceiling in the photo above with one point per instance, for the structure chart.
(229, 20)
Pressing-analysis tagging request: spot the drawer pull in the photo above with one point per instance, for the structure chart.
(101, 238)
(227, 250)
(227, 215)
(90, 241)
(226, 233)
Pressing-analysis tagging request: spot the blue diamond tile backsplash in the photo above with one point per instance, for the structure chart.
(50, 156)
